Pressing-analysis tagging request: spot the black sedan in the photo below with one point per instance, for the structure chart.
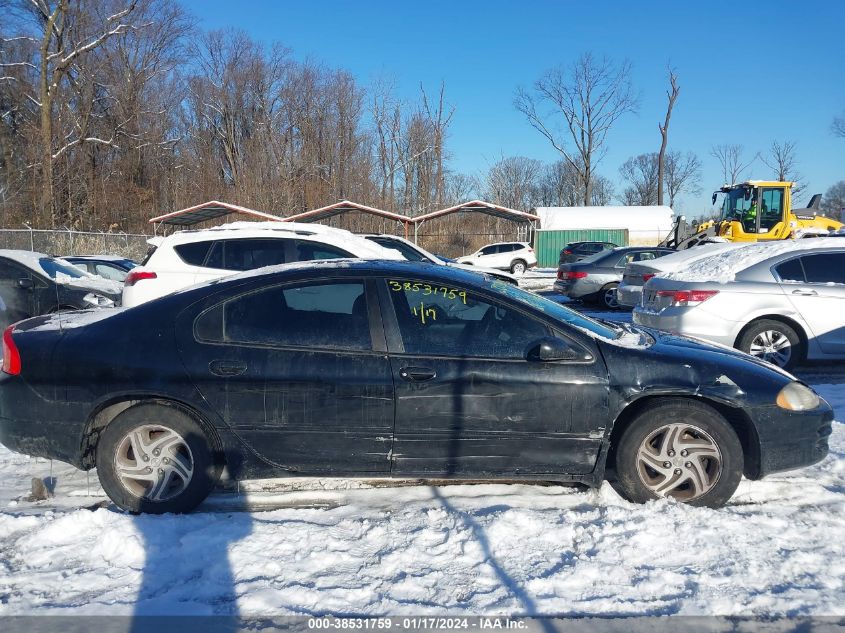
(34, 283)
(106, 266)
(392, 369)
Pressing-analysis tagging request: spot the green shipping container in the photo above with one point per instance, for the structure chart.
(548, 243)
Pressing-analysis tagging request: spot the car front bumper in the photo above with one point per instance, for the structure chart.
(790, 439)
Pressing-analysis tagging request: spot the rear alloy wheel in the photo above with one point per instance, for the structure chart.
(773, 341)
(681, 449)
(155, 458)
(518, 267)
(608, 297)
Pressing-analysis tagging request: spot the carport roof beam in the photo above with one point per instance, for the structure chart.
(210, 210)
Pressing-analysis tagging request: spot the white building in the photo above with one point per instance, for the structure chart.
(645, 225)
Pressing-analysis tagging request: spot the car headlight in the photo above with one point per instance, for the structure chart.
(797, 397)
(98, 300)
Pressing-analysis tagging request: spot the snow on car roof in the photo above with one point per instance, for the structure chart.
(674, 261)
(723, 266)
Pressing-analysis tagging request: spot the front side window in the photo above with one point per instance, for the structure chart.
(441, 320)
(824, 268)
(489, 250)
(327, 315)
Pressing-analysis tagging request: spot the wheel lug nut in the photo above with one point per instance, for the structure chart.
(667, 464)
(161, 471)
(156, 452)
(149, 470)
(166, 461)
(671, 453)
(146, 458)
(688, 464)
(677, 471)
(684, 453)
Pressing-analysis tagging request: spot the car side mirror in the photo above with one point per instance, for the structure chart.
(549, 350)
(25, 283)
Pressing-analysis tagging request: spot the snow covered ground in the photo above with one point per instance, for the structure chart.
(323, 547)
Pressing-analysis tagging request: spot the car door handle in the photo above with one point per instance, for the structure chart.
(417, 374)
(805, 293)
(226, 367)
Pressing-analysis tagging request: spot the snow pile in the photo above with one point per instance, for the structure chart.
(723, 266)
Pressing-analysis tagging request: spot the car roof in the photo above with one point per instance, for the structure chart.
(104, 258)
(256, 229)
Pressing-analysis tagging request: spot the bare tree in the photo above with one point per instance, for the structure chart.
(590, 96)
(513, 182)
(833, 201)
(641, 174)
(732, 162)
(838, 126)
(672, 94)
(683, 174)
(65, 36)
(781, 159)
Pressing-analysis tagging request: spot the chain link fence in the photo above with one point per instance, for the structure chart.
(67, 242)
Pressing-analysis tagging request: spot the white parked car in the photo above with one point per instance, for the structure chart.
(415, 253)
(191, 257)
(516, 257)
(781, 301)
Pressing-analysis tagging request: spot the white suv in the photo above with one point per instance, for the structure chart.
(516, 257)
(186, 258)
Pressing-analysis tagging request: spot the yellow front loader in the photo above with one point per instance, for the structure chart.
(752, 211)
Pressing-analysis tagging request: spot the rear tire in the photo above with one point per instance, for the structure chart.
(679, 448)
(607, 297)
(773, 341)
(156, 458)
(518, 267)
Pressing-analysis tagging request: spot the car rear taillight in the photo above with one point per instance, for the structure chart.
(135, 276)
(11, 355)
(687, 297)
(566, 251)
(647, 276)
(573, 274)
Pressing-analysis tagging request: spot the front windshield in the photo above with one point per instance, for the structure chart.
(55, 268)
(556, 310)
(737, 202)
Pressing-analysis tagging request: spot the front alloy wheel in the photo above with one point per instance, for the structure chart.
(680, 461)
(680, 448)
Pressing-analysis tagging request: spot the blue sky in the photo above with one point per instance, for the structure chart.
(750, 72)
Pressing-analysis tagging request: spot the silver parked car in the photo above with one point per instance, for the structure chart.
(782, 301)
(636, 273)
(596, 278)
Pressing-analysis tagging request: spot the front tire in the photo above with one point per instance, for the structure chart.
(682, 449)
(773, 341)
(156, 458)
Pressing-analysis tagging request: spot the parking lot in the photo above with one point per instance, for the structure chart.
(313, 546)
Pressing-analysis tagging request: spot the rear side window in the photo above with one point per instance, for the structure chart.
(449, 321)
(824, 268)
(309, 251)
(331, 315)
(193, 253)
(791, 270)
(249, 254)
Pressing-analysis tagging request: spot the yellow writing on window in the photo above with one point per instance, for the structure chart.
(424, 313)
